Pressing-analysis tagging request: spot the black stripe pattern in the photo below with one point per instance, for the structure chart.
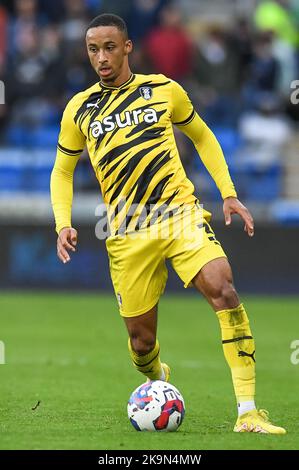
(129, 163)
(186, 121)
(148, 363)
(233, 340)
(68, 151)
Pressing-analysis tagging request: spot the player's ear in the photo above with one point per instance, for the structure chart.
(128, 46)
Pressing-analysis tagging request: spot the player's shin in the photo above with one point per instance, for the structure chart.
(239, 351)
(148, 364)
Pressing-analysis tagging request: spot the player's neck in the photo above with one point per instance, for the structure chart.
(120, 80)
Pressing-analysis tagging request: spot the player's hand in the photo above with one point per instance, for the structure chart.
(232, 205)
(66, 242)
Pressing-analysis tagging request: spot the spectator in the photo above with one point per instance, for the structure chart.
(75, 22)
(168, 46)
(142, 17)
(118, 7)
(241, 42)
(263, 72)
(3, 33)
(34, 79)
(217, 73)
(276, 16)
(280, 17)
(26, 16)
(265, 130)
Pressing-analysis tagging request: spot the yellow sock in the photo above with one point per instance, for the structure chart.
(149, 364)
(239, 351)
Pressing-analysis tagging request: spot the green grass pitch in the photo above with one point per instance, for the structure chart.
(69, 351)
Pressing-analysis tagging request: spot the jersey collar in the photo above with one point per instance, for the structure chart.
(106, 87)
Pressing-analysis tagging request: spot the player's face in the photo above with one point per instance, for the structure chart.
(108, 51)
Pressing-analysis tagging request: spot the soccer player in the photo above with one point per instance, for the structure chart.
(125, 120)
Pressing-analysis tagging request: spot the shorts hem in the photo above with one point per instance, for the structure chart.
(142, 310)
(188, 283)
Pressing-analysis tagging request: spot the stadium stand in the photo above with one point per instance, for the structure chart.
(234, 59)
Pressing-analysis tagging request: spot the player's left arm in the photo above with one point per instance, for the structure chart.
(70, 146)
(188, 121)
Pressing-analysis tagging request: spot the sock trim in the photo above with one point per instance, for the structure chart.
(236, 339)
(239, 308)
(148, 363)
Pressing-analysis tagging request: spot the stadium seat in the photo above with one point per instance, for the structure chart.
(259, 184)
(18, 136)
(230, 141)
(285, 212)
(10, 179)
(41, 179)
(45, 136)
(21, 136)
(25, 170)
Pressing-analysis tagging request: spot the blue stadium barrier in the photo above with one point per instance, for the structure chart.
(45, 136)
(259, 184)
(25, 170)
(21, 136)
(10, 179)
(230, 141)
(18, 136)
(285, 212)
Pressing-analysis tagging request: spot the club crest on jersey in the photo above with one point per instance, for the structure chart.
(146, 92)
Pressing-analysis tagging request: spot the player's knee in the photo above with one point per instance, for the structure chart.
(143, 345)
(225, 295)
(229, 294)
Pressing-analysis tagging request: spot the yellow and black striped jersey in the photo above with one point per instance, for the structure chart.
(129, 137)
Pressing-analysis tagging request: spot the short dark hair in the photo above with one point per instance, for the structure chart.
(108, 19)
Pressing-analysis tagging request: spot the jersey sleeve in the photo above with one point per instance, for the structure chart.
(71, 143)
(211, 154)
(182, 109)
(188, 121)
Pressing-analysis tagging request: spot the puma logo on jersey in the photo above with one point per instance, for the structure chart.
(128, 118)
(94, 105)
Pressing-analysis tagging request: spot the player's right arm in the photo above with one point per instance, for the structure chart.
(71, 143)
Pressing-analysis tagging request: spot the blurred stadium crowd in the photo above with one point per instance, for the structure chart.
(238, 66)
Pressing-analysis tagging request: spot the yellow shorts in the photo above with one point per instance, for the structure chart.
(137, 260)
